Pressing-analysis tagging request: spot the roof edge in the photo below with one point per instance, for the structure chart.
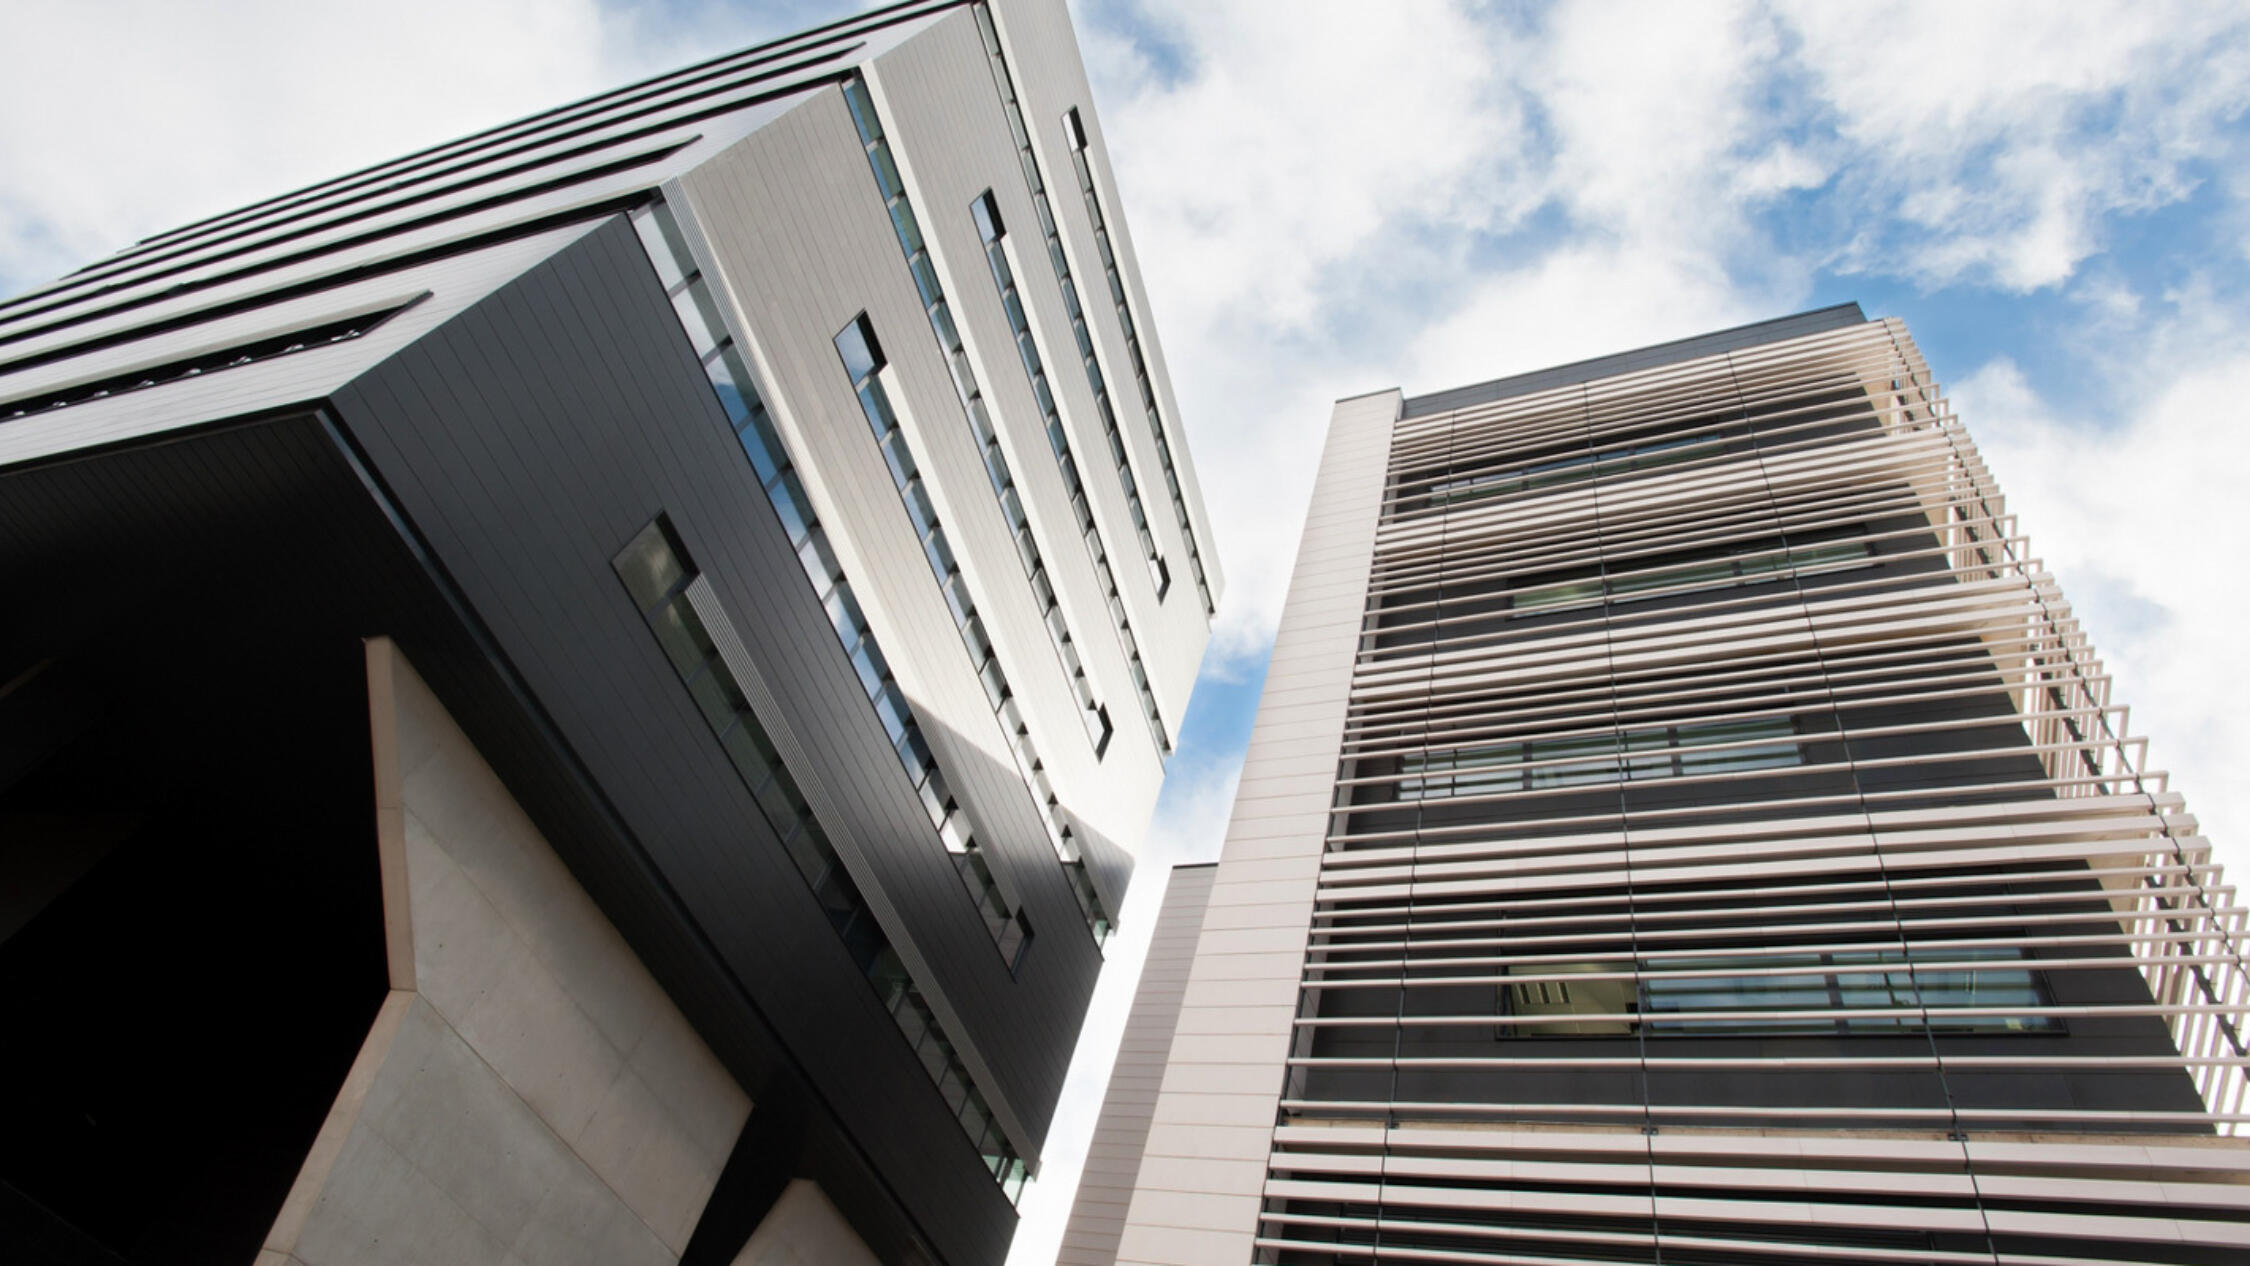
(1774, 330)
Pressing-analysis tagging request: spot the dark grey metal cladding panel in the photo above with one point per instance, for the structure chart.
(1817, 321)
(528, 439)
(203, 526)
(278, 505)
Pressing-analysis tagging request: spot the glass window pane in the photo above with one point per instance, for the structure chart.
(651, 565)
(789, 501)
(867, 660)
(875, 403)
(940, 554)
(915, 494)
(863, 110)
(660, 237)
(762, 444)
(985, 210)
(925, 278)
(890, 706)
(955, 832)
(914, 756)
(818, 563)
(699, 316)
(957, 599)
(909, 229)
(747, 748)
(935, 1053)
(779, 801)
(856, 344)
(886, 171)
(682, 636)
(730, 379)
(805, 851)
(715, 693)
(941, 320)
(912, 1021)
(843, 613)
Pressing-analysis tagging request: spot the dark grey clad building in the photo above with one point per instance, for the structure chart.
(587, 694)
(1686, 824)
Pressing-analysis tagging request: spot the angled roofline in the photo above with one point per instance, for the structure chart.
(1816, 321)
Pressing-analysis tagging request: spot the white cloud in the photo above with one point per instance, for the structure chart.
(2140, 518)
(1332, 199)
(1276, 190)
(2002, 135)
(1310, 229)
(123, 119)
(1295, 141)
(1652, 113)
(1579, 301)
(1336, 197)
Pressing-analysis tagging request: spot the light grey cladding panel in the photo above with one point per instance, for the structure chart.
(1043, 55)
(453, 285)
(1195, 1202)
(798, 243)
(803, 244)
(1113, 1161)
(951, 140)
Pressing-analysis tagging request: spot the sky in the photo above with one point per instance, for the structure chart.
(1332, 197)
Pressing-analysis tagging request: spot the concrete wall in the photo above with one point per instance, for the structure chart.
(804, 1229)
(1097, 1215)
(528, 1092)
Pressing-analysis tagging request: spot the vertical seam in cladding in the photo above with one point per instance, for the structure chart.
(1867, 817)
(1014, 723)
(1624, 827)
(774, 470)
(1057, 433)
(1057, 257)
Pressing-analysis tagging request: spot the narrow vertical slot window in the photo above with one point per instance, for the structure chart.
(680, 611)
(985, 211)
(863, 361)
(1028, 161)
(1092, 714)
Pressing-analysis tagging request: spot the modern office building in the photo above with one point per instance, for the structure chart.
(587, 694)
(1685, 824)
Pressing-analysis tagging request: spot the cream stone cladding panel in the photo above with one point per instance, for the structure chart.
(1042, 53)
(1196, 1200)
(528, 1092)
(1113, 1160)
(951, 141)
(804, 1229)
